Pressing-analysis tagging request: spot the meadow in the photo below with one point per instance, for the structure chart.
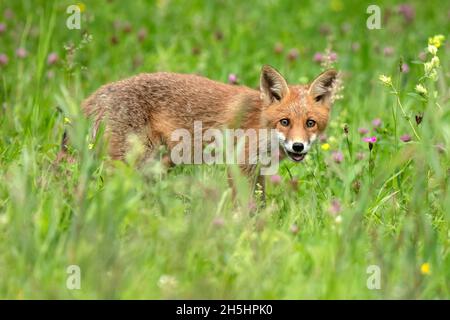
(364, 216)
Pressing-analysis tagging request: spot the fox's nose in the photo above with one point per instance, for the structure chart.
(298, 147)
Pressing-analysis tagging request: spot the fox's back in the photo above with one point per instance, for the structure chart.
(182, 98)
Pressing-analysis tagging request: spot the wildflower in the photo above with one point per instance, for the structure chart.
(355, 46)
(67, 120)
(167, 282)
(275, 179)
(218, 222)
(338, 219)
(21, 53)
(436, 40)
(435, 62)
(407, 11)
(294, 183)
(370, 139)
(52, 58)
(376, 122)
(332, 56)
(388, 51)
(232, 78)
(386, 80)
(294, 229)
(81, 6)
(142, 34)
(338, 157)
(278, 48)
(3, 59)
(127, 28)
(2, 28)
(325, 146)
(90, 146)
(420, 89)
(318, 57)
(405, 138)
(363, 131)
(335, 207)
(422, 56)
(50, 74)
(404, 68)
(432, 49)
(293, 54)
(425, 268)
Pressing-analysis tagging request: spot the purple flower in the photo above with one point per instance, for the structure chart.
(142, 34)
(9, 14)
(405, 138)
(275, 179)
(218, 222)
(422, 56)
(332, 56)
(52, 58)
(335, 207)
(388, 51)
(21, 53)
(360, 156)
(355, 46)
(294, 229)
(338, 157)
(407, 11)
(370, 139)
(318, 57)
(404, 68)
(2, 27)
(278, 48)
(232, 78)
(376, 122)
(363, 131)
(3, 59)
(293, 54)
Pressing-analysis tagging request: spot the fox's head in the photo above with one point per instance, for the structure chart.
(298, 113)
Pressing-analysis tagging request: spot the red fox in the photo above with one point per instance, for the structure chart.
(151, 106)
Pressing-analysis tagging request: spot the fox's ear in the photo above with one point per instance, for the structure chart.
(322, 88)
(272, 85)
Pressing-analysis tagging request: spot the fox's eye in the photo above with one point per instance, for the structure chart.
(310, 123)
(284, 122)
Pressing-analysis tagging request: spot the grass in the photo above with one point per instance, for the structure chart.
(155, 234)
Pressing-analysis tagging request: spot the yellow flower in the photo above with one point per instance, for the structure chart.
(325, 146)
(82, 6)
(425, 268)
(336, 5)
(90, 146)
(66, 120)
(385, 80)
(436, 40)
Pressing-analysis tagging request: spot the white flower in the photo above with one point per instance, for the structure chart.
(420, 89)
(435, 61)
(338, 219)
(432, 49)
(385, 80)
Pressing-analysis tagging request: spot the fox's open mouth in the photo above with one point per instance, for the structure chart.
(297, 157)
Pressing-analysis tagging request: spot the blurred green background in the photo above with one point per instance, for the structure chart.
(155, 234)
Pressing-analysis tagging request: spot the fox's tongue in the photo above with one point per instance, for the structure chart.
(297, 157)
